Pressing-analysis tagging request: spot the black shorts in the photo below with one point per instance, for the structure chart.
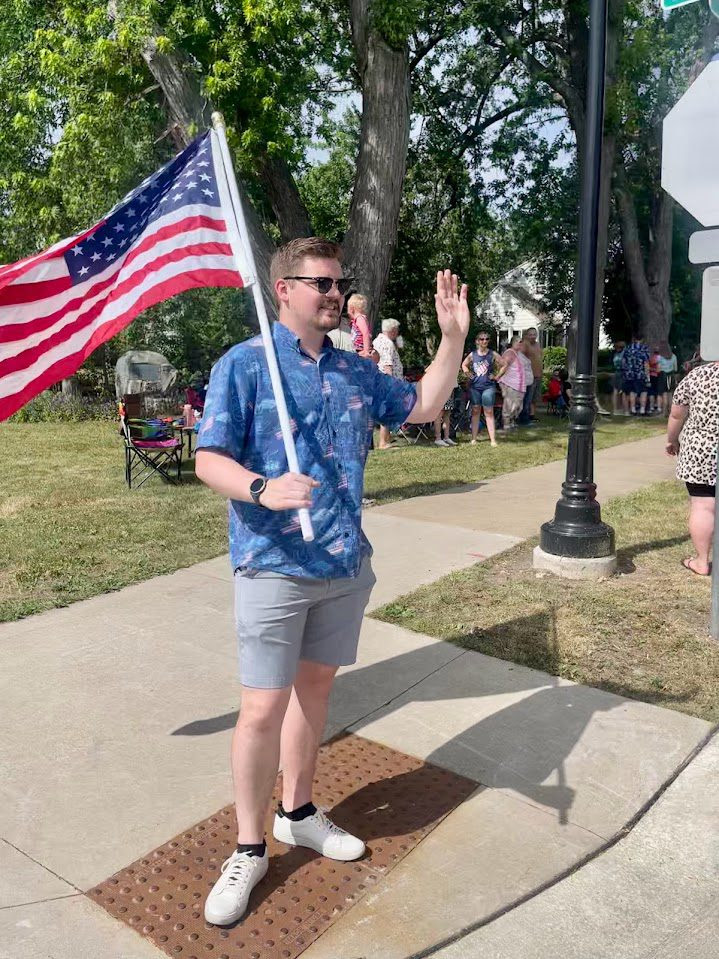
(701, 489)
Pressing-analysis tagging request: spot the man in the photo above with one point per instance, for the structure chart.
(300, 605)
(535, 354)
(635, 375)
(390, 363)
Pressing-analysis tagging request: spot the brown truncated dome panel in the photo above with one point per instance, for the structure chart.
(389, 799)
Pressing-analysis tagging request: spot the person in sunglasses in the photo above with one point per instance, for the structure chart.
(299, 605)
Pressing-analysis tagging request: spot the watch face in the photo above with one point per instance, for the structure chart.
(257, 485)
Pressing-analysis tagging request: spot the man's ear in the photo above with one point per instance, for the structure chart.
(282, 290)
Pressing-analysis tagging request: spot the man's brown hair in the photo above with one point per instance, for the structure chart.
(287, 259)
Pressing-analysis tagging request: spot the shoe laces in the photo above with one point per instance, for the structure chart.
(237, 868)
(327, 824)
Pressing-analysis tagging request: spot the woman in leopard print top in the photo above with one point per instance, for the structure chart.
(693, 434)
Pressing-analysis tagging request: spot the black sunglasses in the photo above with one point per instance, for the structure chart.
(325, 283)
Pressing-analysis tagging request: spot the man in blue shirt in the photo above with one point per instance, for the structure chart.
(299, 605)
(635, 375)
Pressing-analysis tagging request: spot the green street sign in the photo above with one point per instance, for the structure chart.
(673, 4)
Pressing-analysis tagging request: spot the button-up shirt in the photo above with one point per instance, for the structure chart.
(333, 404)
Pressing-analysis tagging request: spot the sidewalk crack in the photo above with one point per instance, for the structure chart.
(42, 866)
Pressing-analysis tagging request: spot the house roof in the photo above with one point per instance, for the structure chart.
(516, 300)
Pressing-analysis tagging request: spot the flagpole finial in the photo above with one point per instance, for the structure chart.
(218, 119)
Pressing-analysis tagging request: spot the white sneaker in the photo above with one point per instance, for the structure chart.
(318, 833)
(228, 898)
(440, 443)
(449, 442)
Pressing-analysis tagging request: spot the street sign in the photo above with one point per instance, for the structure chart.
(690, 148)
(704, 247)
(709, 347)
(673, 4)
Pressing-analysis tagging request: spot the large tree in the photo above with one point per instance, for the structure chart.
(101, 93)
(659, 60)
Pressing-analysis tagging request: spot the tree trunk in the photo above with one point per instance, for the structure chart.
(381, 164)
(281, 189)
(649, 278)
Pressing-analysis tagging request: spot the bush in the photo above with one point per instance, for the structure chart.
(605, 383)
(555, 356)
(605, 360)
(49, 407)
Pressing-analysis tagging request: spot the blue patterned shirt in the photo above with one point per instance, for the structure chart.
(333, 404)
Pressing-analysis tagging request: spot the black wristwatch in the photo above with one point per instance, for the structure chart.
(257, 488)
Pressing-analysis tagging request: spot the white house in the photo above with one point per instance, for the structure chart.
(515, 304)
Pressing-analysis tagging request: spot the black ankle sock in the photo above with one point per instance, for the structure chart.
(302, 812)
(253, 848)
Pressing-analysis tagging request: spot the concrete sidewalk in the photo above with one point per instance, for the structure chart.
(121, 709)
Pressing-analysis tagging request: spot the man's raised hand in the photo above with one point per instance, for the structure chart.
(451, 304)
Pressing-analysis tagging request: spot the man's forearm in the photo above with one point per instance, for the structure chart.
(438, 382)
(224, 475)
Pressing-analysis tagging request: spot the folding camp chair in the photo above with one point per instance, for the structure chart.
(144, 457)
(414, 432)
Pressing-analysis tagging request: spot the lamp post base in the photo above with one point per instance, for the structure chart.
(572, 567)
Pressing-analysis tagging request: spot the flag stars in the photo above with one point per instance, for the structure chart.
(131, 213)
(208, 192)
(119, 227)
(108, 241)
(95, 257)
(205, 177)
(83, 270)
(76, 250)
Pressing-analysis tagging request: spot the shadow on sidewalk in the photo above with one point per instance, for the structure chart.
(519, 746)
(391, 494)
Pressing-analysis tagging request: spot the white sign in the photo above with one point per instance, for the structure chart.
(709, 347)
(690, 148)
(704, 247)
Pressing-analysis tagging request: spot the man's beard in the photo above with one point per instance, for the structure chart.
(324, 321)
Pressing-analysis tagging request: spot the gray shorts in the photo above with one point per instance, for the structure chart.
(283, 619)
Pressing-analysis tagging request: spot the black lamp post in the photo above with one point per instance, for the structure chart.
(577, 530)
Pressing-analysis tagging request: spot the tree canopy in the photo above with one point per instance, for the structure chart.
(422, 133)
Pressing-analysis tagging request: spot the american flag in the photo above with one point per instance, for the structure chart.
(175, 232)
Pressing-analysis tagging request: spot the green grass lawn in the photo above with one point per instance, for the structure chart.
(642, 634)
(70, 528)
(421, 470)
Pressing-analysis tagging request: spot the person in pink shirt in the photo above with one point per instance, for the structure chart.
(512, 379)
(359, 324)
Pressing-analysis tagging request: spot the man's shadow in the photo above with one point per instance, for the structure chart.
(518, 747)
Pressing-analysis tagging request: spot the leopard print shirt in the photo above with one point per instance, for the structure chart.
(699, 390)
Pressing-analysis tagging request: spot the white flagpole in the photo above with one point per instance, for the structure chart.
(238, 221)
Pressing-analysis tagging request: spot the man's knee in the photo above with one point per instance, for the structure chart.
(262, 710)
(315, 676)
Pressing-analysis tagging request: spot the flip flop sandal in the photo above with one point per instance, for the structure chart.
(687, 564)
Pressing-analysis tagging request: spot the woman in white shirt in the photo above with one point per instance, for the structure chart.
(666, 381)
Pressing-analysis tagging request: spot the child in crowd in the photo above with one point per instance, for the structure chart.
(359, 324)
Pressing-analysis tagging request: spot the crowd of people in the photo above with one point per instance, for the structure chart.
(644, 377)
(508, 380)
